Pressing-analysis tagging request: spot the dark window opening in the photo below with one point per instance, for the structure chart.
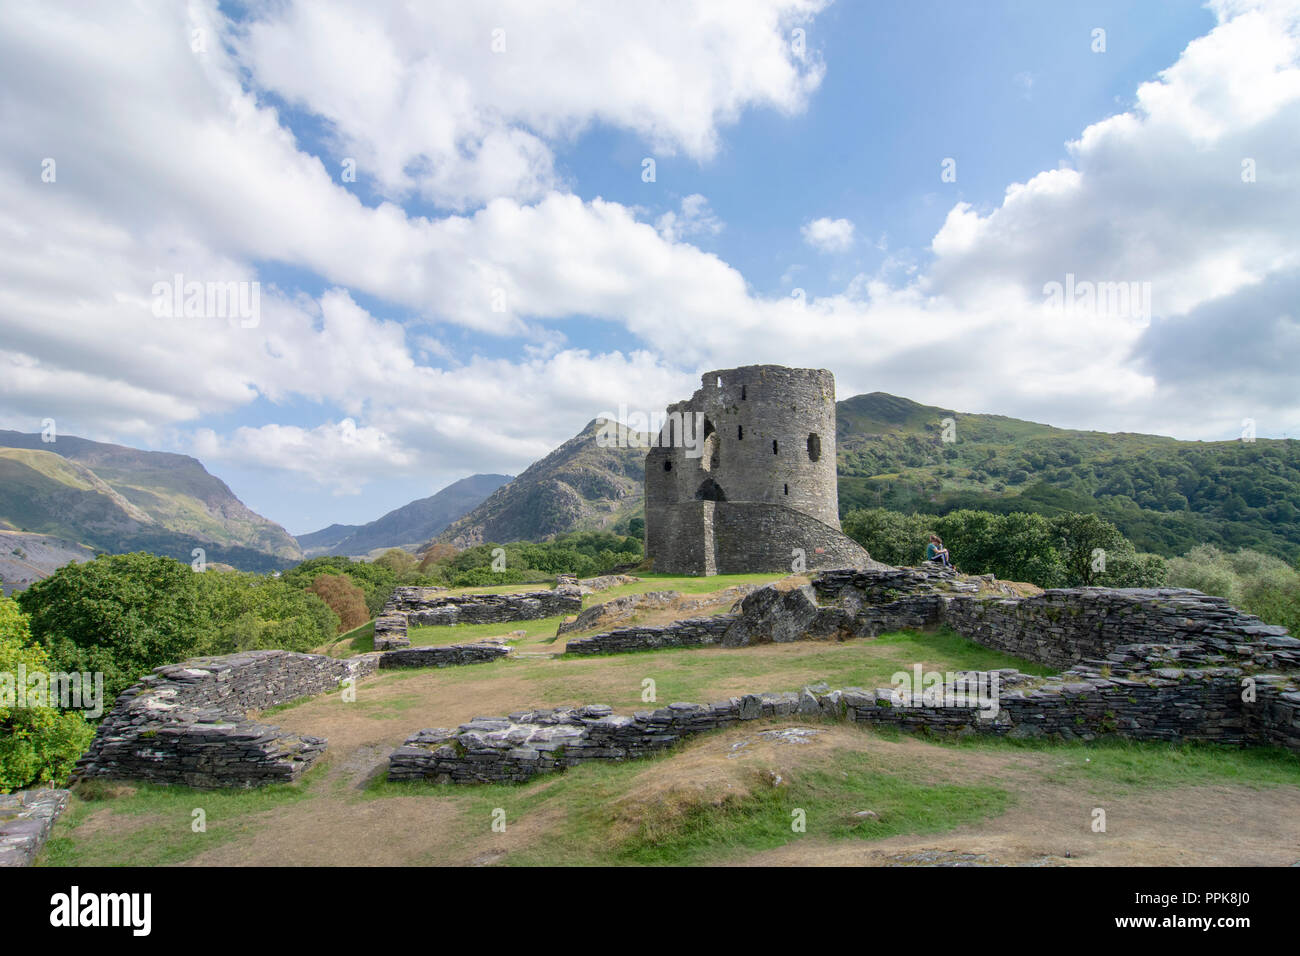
(668, 466)
(740, 431)
(787, 489)
(814, 446)
(710, 490)
(774, 451)
(742, 393)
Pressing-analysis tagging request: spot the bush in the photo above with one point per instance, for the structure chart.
(121, 615)
(1257, 583)
(245, 612)
(344, 598)
(1048, 552)
(375, 580)
(37, 744)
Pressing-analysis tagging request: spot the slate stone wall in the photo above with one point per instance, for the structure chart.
(691, 632)
(186, 723)
(757, 483)
(390, 631)
(26, 819)
(447, 655)
(423, 607)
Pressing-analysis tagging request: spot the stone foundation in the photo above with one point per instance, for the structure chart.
(26, 819)
(390, 631)
(1146, 664)
(186, 723)
(424, 607)
(447, 655)
(692, 632)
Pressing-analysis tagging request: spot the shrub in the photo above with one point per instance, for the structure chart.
(376, 581)
(37, 744)
(1257, 583)
(121, 615)
(244, 612)
(344, 598)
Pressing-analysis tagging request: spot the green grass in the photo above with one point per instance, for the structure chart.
(543, 630)
(1126, 765)
(536, 631)
(167, 838)
(828, 796)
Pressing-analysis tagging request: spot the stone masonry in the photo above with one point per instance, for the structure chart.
(26, 819)
(186, 723)
(424, 607)
(445, 655)
(1147, 664)
(743, 477)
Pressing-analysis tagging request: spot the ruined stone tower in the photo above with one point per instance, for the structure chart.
(756, 485)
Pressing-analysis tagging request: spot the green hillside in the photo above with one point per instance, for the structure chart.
(1165, 495)
(115, 499)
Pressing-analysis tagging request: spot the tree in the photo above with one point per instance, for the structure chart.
(401, 563)
(121, 615)
(38, 744)
(377, 582)
(243, 612)
(344, 598)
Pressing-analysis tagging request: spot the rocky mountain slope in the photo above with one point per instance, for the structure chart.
(580, 486)
(407, 526)
(114, 498)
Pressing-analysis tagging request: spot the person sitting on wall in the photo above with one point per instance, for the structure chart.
(935, 551)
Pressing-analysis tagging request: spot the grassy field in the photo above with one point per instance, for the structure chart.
(542, 631)
(830, 793)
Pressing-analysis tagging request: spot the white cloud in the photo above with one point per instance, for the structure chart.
(168, 164)
(828, 235)
(694, 219)
(462, 108)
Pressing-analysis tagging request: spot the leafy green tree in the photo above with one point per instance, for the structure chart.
(244, 612)
(376, 581)
(121, 615)
(38, 744)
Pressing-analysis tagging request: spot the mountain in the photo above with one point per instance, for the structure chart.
(323, 541)
(1166, 495)
(25, 558)
(408, 525)
(578, 487)
(113, 498)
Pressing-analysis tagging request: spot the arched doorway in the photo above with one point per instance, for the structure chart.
(710, 490)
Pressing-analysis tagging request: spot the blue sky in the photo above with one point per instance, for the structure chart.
(378, 371)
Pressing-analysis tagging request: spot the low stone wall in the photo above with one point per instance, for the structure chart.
(1146, 664)
(692, 632)
(390, 631)
(411, 598)
(424, 607)
(447, 655)
(1062, 627)
(26, 819)
(1201, 705)
(186, 723)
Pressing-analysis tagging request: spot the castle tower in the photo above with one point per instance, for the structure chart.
(743, 478)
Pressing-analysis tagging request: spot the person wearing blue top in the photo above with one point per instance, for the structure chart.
(935, 551)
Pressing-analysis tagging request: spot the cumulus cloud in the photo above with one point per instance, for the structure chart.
(694, 219)
(828, 235)
(463, 108)
(170, 161)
